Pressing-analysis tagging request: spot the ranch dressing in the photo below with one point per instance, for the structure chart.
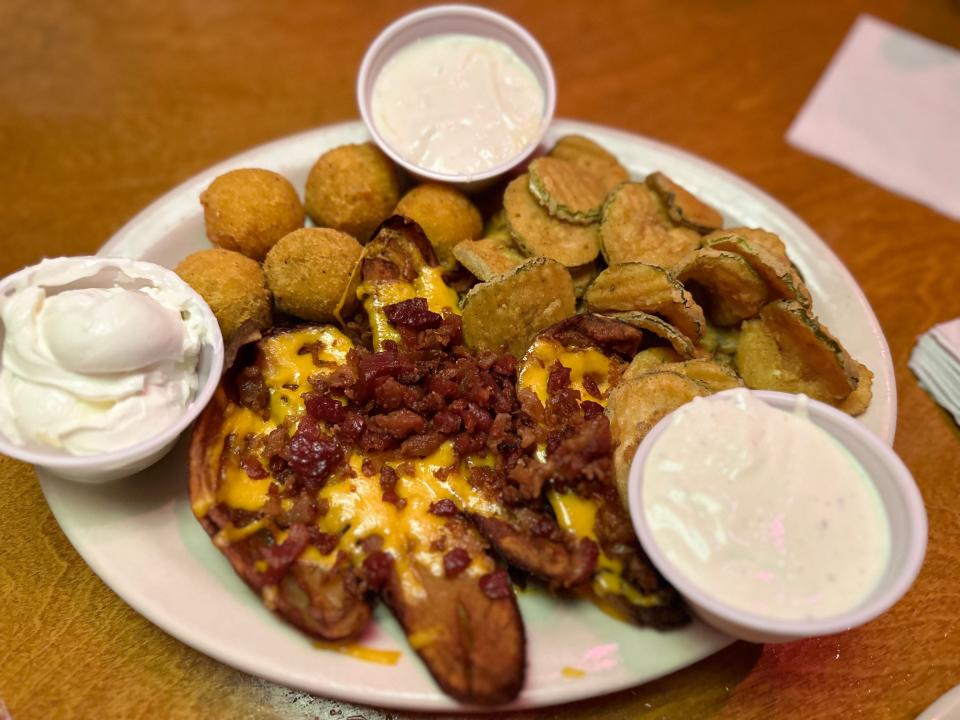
(457, 104)
(764, 510)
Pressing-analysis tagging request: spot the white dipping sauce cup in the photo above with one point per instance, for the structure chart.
(106, 466)
(461, 19)
(898, 493)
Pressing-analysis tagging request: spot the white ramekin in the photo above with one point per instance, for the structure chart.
(897, 490)
(469, 20)
(111, 465)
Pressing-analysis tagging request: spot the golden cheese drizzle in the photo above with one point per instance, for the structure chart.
(361, 652)
(284, 364)
(535, 370)
(356, 510)
(574, 513)
(377, 294)
(289, 363)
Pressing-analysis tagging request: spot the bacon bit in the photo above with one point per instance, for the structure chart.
(368, 467)
(280, 557)
(447, 422)
(252, 390)
(591, 409)
(326, 543)
(455, 562)
(311, 455)
(496, 585)
(506, 365)
(559, 377)
(323, 507)
(351, 429)
(443, 508)
(324, 408)
(371, 543)
(421, 446)
(388, 478)
(590, 385)
(251, 465)
(377, 569)
(399, 423)
(413, 314)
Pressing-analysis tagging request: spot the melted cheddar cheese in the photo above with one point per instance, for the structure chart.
(377, 294)
(574, 513)
(535, 371)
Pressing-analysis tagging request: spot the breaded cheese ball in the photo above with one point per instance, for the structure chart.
(248, 210)
(233, 285)
(446, 215)
(309, 271)
(352, 188)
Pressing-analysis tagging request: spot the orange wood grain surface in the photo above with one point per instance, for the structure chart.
(105, 106)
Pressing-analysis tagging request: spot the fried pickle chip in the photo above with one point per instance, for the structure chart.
(765, 239)
(539, 234)
(777, 272)
(683, 207)
(634, 227)
(446, 215)
(582, 276)
(585, 153)
(568, 192)
(720, 344)
(712, 375)
(857, 402)
(650, 289)
(635, 406)
(727, 287)
(490, 257)
(651, 359)
(682, 346)
(786, 348)
(512, 309)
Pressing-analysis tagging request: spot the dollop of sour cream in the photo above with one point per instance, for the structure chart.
(98, 354)
(457, 104)
(764, 510)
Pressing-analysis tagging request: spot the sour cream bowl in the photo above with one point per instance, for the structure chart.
(159, 437)
(898, 494)
(434, 23)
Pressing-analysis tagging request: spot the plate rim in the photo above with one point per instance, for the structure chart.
(169, 622)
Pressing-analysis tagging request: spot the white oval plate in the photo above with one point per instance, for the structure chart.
(141, 538)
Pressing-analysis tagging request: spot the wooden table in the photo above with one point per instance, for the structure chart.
(105, 106)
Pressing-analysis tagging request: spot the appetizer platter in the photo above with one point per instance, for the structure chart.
(595, 620)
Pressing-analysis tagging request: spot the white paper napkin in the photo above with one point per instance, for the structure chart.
(888, 109)
(936, 362)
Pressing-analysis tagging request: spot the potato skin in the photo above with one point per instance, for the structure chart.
(352, 188)
(309, 270)
(232, 284)
(248, 210)
(446, 215)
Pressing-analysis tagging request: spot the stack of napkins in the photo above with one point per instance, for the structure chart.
(936, 363)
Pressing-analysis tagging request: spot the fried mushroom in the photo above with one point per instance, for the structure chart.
(309, 270)
(248, 210)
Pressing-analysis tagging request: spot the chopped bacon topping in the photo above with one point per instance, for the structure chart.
(496, 585)
(413, 314)
(455, 562)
